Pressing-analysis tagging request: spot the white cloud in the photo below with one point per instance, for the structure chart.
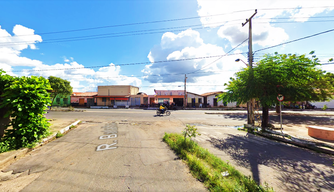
(264, 33)
(82, 79)
(200, 72)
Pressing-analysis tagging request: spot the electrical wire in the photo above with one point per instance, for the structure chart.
(127, 64)
(295, 40)
(220, 57)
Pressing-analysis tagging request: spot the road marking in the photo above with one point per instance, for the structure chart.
(108, 136)
(106, 146)
(110, 131)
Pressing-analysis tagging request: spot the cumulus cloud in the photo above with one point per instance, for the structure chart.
(264, 33)
(81, 78)
(199, 71)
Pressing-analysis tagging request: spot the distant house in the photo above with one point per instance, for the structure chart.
(83, 99)
(211, 100)
(320, 104)
(119, 95)
(139, 99)
(163, 96)
(195, 100)
(62, 101)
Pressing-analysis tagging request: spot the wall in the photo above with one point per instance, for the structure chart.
(191, 96)
(61, 101)
(76, 99)
(210, 101)
(330, 104)
(117, 90)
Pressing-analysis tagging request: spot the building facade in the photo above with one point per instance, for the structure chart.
(115, 95)
(83, 99)
(61, 101)
(175, 97)
(194, 100)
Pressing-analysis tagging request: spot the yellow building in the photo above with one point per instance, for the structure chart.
(118, 95)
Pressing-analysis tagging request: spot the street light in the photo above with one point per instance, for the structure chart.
(237, 60)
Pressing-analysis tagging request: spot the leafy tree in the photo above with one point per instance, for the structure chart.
(297, 77)
(60, 87)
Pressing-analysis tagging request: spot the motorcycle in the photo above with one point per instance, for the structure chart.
(159, 112)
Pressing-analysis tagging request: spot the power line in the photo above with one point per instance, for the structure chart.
(118, 34)
(143, 32)
(136, 23)
(127, 64)
(219, 57)
(295, 40)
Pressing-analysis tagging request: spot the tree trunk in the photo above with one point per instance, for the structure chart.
(3, 121)
(278, 109)
(265, 118)
(52, 100)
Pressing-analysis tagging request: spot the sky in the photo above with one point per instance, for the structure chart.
(152, 44)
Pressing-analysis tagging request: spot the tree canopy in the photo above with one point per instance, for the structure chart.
(296, 77)
(60, 87)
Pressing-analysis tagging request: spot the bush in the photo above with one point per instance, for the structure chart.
(324, 107)
(26, 99)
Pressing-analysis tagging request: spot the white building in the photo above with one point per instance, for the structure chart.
(329, 104)
(194, 100)
(210, 99)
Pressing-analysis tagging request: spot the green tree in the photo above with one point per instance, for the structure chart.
(60, 87)
(297, 77)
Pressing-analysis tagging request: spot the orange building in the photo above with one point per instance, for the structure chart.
(83, 98)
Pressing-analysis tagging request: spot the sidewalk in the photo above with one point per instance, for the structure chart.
(284, 167)
(9, 157)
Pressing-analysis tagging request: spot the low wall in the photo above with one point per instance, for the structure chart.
(321, 132)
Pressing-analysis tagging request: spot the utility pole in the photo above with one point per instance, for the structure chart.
(250, 104)
(185, 91)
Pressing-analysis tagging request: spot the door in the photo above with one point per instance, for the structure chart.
(137, 101)
(81, 101)
(215, 102)
(133, 101)
(193, 102)
(90, 102)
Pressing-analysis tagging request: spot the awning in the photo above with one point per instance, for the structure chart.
(113, 96)
(119, 98)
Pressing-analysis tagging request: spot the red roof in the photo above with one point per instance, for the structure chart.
(212, 93)
(113, 96)
(84, 94)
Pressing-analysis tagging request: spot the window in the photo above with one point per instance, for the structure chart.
(171, 93)
(104, 99)
(58, 100)
(199, 100)
(65, 100)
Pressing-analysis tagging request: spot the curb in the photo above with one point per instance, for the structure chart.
(9, 157)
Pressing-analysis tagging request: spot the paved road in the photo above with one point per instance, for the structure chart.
(137, 159)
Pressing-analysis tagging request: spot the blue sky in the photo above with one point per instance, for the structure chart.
(43, 37)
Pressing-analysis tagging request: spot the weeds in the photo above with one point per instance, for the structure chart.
(58, 135)
(208, 168)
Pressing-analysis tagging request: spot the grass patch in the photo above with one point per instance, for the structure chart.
(208, 168)
(58, 135)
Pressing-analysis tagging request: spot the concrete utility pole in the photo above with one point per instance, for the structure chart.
(250, 104)
(185, 91)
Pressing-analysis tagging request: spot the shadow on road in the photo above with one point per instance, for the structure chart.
(289, 119)
(296, 169)
(308, 120)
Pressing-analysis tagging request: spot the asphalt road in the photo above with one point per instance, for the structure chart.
(122, 150)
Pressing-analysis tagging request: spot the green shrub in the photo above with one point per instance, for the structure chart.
(58, 135)
(324, 107)
(26, 99)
